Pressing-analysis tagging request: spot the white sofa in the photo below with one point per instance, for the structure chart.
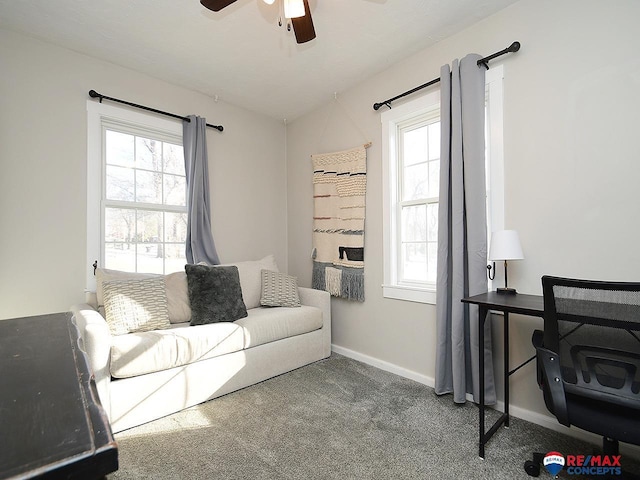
(143, 376)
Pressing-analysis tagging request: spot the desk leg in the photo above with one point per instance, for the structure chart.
(504, 418)
(506, 368)
(481, 319)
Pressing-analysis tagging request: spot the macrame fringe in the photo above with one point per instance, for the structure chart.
(347, 283)
(317, 276)
(333, 278)
(353, 284)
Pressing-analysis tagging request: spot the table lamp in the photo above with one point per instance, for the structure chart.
(505, 245)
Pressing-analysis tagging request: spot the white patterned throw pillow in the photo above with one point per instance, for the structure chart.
(135, 305)
(279, 290)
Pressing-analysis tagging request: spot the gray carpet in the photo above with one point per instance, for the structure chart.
(334, 419)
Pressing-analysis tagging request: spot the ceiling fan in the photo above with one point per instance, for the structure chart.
(297, 10)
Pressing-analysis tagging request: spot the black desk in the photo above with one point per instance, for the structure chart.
(53, 425)
(532, 305)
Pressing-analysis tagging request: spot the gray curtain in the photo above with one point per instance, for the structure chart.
(462, 232)
(199, 245)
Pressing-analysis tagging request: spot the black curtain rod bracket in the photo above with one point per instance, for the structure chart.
(94, 94)
(514, 47)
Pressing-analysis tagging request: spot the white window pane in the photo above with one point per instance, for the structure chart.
(175, 190)
(119, 148)
(150, 253)
(148, 154)
(415, 182)
(148, 187)
(120, 256)
(414, 262)
(414, 223)
(432, 261)
(432, 222)
(414, 145)
(119, 183)
(175, 227)
(173, 158)
(434, 141)
(174, 258)
(149, 227)
(150, 258)
(119, 225)
(434, 178)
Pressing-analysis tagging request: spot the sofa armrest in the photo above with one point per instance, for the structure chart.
(96, 342)
(321, 300)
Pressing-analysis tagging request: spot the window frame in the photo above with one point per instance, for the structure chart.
(390, 119)
(99, 118)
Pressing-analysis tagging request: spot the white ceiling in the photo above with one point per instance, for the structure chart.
(240, 54)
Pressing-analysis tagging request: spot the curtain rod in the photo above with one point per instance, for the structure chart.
(94, 94)
(514, 47)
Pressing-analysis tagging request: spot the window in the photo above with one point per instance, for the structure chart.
(417, 205)
(136, 193)
(411, 169)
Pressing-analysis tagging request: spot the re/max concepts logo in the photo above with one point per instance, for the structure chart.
(583, 464)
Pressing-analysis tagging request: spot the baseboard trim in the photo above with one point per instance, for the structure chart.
(546, 421)
(386, 366)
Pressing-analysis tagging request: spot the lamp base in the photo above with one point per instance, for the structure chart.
(506, 291)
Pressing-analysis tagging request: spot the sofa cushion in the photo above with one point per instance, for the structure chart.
(135, 305)
(175, 288)
(215, 294)
(146, 352)
(177, 297)
(279, 290)
(251, 280)
(267, 324)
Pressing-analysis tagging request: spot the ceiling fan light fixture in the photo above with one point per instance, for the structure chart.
(294, 8)
(269, 2)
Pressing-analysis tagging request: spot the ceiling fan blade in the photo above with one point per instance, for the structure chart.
(303, 26)
(216, 5)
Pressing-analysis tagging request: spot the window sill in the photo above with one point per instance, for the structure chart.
(410, 294)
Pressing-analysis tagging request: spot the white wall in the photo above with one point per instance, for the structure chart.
(572, 169)
(43, 146)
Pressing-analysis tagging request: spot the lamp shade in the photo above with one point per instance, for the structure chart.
(505, 245)
(294, 8)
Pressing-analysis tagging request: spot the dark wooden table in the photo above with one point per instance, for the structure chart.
(51, 422)
(532, 305)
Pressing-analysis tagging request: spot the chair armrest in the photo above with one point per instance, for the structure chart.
(96, 342)
(537, 338)
(552, 378)
(322, 300)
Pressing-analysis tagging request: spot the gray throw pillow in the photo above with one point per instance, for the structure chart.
(215, 294)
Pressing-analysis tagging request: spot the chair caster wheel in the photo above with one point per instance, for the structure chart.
(532, 468)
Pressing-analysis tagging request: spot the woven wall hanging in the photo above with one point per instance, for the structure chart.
(339, 189)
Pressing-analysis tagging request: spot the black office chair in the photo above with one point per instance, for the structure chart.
(588, 359)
